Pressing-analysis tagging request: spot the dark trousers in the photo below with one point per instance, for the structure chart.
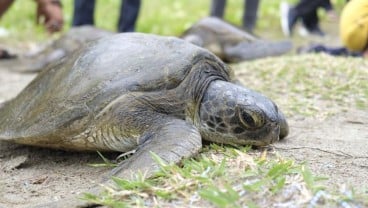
(249, 16)
(129, 10)
(306, 10)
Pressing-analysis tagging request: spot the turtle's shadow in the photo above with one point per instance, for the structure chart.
(36, 155)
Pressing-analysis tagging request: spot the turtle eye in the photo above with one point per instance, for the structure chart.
(251, 119)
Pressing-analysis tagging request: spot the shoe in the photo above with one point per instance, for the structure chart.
(288, 18)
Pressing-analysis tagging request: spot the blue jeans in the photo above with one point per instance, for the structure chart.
(129, 10)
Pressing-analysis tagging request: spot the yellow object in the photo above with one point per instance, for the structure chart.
(354, 25)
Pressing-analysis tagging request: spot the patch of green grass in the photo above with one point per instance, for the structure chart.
(310, 85)
(214, 179)
(106, 162)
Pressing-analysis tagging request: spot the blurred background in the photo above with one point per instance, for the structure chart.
(164, 17)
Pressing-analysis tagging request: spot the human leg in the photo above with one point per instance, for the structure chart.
(218, 8)
(129, 11)
(311, 23)
(288, 18)
(250, 14)
(83, 12)
(303, 9)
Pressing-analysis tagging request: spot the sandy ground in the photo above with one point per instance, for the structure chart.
(335, 147)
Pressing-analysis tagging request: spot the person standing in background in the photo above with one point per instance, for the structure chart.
(353, 32)
(306, 11)
(249, 15)
(129, 11)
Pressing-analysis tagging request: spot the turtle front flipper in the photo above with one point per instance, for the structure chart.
(171, 141)
(245, 50)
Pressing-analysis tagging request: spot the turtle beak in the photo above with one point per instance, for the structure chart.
(280, 119)
(273, 136)
(276, 132)
(283, 125)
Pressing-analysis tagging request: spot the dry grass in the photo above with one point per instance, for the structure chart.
(227, 177)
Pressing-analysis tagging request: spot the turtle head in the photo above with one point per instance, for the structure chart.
(232, 114)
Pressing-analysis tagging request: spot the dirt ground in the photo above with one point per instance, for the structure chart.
(335, 147)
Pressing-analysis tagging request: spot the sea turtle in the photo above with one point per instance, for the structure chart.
(231, 43)
(139, 91)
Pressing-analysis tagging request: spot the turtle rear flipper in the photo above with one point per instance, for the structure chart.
(244, 51)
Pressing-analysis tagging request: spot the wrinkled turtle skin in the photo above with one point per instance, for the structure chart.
(138, 91)
(230, 43)
(74, 39)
